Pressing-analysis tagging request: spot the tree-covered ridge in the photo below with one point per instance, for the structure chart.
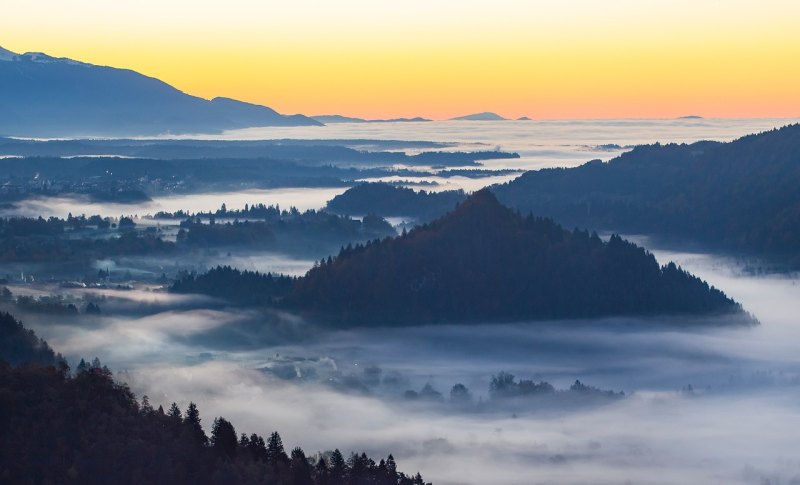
(742, 196)
(484, 262)
(387, 200)
(59, 427)
(481, 262)
(19, 345)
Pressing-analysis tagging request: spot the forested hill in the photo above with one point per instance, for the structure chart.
(742, 196)
(83, 427)
(484, 262)
(388, 200)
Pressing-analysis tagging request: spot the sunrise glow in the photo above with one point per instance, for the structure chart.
(438, 59)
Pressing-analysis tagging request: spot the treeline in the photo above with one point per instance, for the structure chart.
(482, 263)
(272, 213)
(388, 200)
(309, 232)
(82, 238)
(742, 196)
(54, 226)
(57, 248)
(505, 387)
(46, 304)
(56, 427)
(243, 287)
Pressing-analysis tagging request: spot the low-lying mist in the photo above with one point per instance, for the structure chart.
(704, 402)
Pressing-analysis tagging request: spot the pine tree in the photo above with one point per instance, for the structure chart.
(146, 407)
(175, 412)
(321, 475)
(258, 449)
(192, 422)
(391, 469)
(275, 452)
(301, 470)
(223, 438)
(338, 468)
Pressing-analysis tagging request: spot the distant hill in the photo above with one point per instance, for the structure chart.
(43, 96)
(742, 196)
(480, 117)
(333, 119)
(523, 118)
(690, 117)
(482, 262)
(387, 201)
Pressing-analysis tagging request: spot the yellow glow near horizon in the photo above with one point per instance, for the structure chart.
(438, 59)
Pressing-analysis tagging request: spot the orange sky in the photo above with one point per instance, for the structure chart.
(438, 59)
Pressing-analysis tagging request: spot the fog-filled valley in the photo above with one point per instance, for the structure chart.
(661, 399)
(709, 405)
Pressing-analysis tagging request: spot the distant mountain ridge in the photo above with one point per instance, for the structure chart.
(332, 119)
(485, 116)
(44, 96)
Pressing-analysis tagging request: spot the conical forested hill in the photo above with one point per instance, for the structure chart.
(485, 262)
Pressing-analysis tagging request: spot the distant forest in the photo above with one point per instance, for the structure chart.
(81, 238)
(57, 426)
(75, 239)
(505, 391)
(290, 231)
(482, 262)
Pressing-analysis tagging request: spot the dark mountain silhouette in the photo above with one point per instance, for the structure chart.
(482, 262)
(46, 96)
(486, 116)
(742, 196)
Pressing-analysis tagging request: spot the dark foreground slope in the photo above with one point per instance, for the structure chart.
(56, 427)
(742, 196)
